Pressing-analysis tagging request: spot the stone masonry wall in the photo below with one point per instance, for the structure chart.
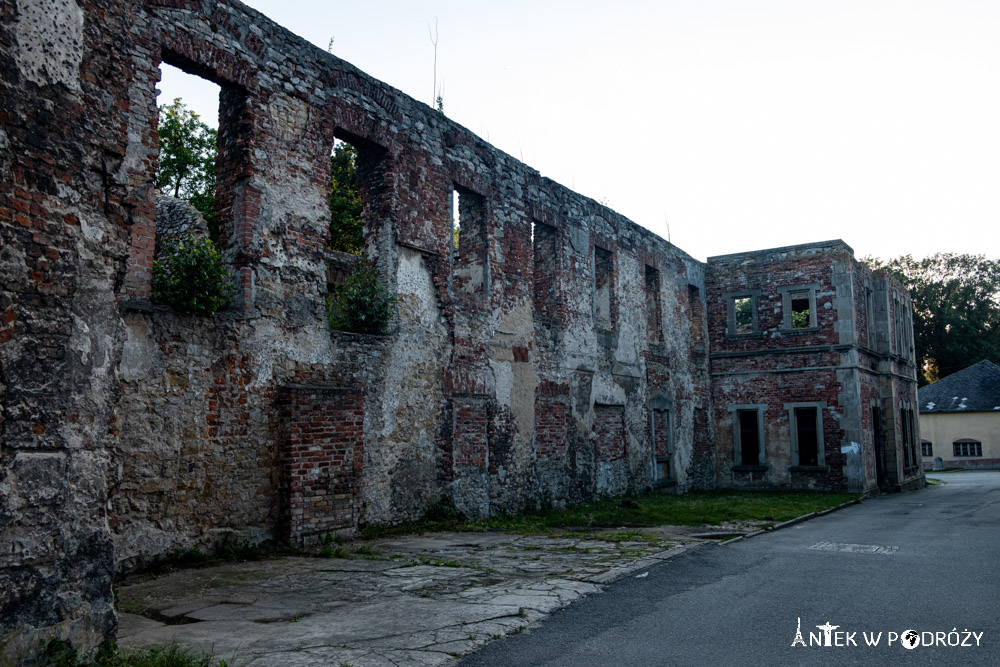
(66, 202)
(536, 363)
(486, 333)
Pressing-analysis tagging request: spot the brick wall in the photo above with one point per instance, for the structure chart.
(322, 460)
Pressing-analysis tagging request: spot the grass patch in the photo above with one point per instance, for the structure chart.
(692, 509)
(932, 470)
(653, 509)
(57, 653)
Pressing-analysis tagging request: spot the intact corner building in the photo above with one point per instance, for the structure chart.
(960, 418)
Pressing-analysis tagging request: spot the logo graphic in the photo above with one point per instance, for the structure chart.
(798, 635)
(908, 639)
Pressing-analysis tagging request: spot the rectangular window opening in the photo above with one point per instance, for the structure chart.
(749, 437)
(356, 185)
(469, 241)
(347, 226)
(926, 448)
(806, 430)
(743, 313)
(801, 311)
(188, 131)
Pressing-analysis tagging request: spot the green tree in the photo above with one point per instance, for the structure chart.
(956, 304)
(189, 276)
(362, 303)
(187, 160)
(347, 231)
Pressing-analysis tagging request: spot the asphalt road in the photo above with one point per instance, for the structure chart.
(927, 561)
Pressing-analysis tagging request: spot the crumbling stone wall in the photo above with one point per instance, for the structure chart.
(66, 201)
(176, 218)
(559, 353)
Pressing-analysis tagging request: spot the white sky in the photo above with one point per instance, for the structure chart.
(744, 124)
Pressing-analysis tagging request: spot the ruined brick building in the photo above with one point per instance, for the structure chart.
(561, 352)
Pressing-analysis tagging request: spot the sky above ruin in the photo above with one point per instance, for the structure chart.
(723, 125)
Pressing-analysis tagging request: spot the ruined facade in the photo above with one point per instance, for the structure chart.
(559, 353)
(813, 371)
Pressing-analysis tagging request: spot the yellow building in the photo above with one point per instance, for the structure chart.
(960, 418)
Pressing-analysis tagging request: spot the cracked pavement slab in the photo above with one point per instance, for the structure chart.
(413, 600)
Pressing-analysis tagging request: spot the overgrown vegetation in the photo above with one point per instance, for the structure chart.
(691, 509)
(347, 231)
(362, 303)
(188, 150)
(188, 275)
(187, 160)
(56, 653)
(956, 309)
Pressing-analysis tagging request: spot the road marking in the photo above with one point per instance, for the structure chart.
(855, 548)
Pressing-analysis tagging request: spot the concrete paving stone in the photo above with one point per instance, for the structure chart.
(309, 611)
(130, 625)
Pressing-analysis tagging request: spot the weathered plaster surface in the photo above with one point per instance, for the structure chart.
(518, 370)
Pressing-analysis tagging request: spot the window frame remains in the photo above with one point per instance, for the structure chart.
(739, 413)
(795, 411)
(732, 328)
(792, 294)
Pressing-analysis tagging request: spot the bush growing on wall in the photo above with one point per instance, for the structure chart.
(361, 304)
(188, 276)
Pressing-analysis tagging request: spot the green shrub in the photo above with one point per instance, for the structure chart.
(362, 303)
(189, 276)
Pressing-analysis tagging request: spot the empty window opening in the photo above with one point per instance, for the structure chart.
(188, 136)
(749, 437)
(604, 307)
(801, 312)
(347, 228)
(806, 430)
(545, 276)
(926, 448)
(654, 327)
(967, 447)
(743, 314)
(469, 241)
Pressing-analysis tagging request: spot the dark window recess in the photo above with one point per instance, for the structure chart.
(743, 313)
(926, 448)
(661, 443)
(604, 306)
(805, 427)
(653, 327)
(545, 275)
(800, 311)
(749, 438)
(694, 304)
